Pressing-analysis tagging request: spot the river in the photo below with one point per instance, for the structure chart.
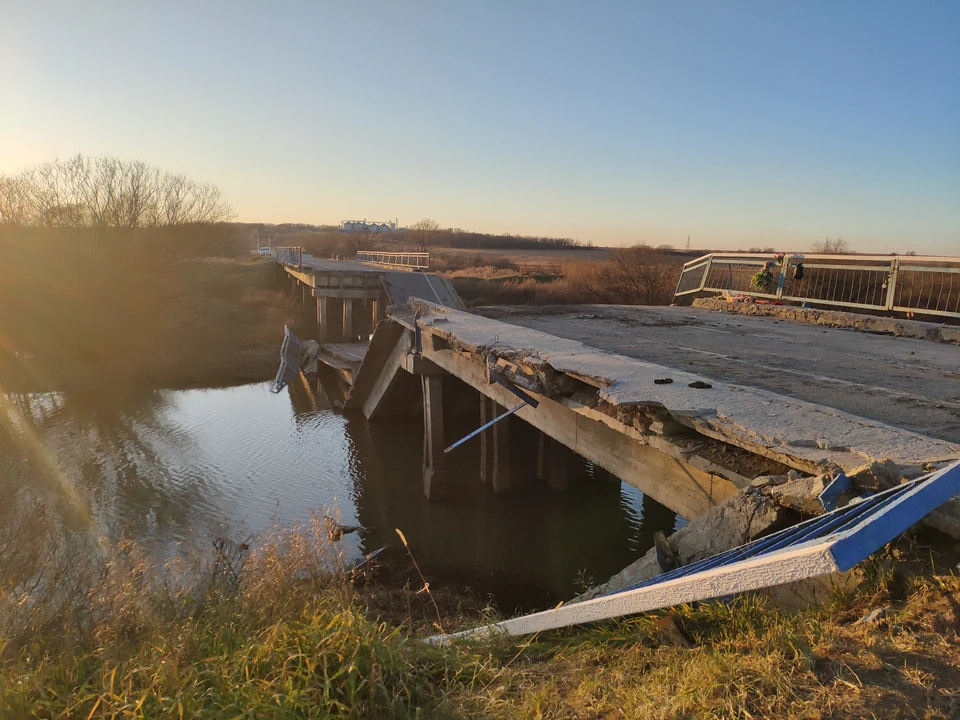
(172, 470)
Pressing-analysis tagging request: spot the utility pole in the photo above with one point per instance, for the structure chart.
(688, 242)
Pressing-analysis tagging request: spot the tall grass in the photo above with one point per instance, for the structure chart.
(293, 640)
(300, 636)
(641, 282)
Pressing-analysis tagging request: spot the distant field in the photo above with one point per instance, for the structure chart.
(532, 257)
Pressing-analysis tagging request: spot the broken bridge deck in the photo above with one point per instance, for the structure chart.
(592, 371)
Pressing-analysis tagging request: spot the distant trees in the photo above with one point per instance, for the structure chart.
(422, 234)
(434, 236)
(837, 246)
(107, 193)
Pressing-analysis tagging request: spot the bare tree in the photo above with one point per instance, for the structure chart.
(422, 233)
(638, 275)
(107, 193)
(357, 240)
(837, 246)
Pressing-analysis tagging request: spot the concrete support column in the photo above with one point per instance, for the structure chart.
(435, 484)
(293, 285)
(374, 313)
(486, 440)
(323, 319)
(348, 330)
(502, 477)
(553, 463)
(306, 295)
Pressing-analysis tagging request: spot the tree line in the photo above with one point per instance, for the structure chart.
(427, 233)
(107, 193)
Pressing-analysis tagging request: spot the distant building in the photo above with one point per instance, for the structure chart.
(365, 225)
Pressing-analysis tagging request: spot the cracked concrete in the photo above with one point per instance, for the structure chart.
(808, 436)
(912, 384)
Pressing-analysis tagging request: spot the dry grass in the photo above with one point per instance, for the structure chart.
(623, 276)
(300, 636)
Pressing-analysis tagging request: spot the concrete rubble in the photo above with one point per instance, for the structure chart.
(769, 504)
(920, 330)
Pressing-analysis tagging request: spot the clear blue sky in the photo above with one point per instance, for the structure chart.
(739, 123)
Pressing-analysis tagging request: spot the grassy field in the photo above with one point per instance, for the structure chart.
(295, 640)
(565, 276)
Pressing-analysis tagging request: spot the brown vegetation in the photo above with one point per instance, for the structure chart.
(837, 246)
(639, 275)
(116, 309)
(107, 193)
(114, 271)
(297, 634)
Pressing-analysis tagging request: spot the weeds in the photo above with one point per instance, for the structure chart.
(299, 636)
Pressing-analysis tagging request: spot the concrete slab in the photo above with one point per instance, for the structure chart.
(912, 384)
(790, 430)
(400, 285)
(350, 352)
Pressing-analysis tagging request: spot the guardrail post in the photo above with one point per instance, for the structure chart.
(784, 266)
(706, 273)
(892, 282)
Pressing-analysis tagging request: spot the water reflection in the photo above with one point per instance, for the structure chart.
(167, 468)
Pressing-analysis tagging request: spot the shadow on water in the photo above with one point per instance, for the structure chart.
(169, 468)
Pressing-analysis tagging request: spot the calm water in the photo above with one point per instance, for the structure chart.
(173, 469)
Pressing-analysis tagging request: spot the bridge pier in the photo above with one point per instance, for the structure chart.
(486, 440)
(435, 482)
(553, 463)
(502, 479)
(349, 335)
(323, 319)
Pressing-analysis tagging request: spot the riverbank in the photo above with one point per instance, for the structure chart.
(295, 640)
(206, 322)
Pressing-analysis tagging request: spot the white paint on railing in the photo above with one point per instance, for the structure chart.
(906, 283)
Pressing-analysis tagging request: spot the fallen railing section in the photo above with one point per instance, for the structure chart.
(834, 542)
(289, 360)
(903, 283)
(403, 261)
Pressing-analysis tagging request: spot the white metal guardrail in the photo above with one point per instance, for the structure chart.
(904, 283)
(408, 261)
(292, 255)
(289, 360)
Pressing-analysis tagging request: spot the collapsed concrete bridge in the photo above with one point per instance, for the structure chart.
(757, 397)
(648, 424)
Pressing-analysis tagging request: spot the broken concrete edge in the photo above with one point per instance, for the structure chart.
(916, 329)
(769, 504)
(810, 437)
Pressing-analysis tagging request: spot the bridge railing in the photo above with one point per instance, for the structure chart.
(292, 255)
(904, 283)
(408, 260)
